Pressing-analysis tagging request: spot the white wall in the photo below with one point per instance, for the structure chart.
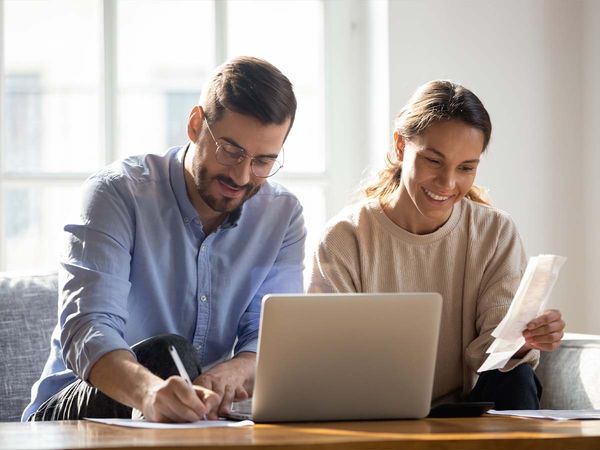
(345, 81)
(591, 157)
(533, 63)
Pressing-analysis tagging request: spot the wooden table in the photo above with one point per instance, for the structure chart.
(479, 433)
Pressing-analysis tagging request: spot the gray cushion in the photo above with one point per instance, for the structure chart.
(28, 313)
(571, 375)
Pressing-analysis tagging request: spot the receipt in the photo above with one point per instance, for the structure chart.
(529, 302)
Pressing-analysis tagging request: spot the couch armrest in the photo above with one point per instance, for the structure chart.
(570, 375)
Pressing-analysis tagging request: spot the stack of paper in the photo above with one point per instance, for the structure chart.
(529, 302)
(569, 414)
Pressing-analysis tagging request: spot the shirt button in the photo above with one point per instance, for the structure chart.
(203, 298)
(203, 248)
(186, 220)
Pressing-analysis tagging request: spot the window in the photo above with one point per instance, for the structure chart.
(279, 32)
(164, 52)
(50, 104)
(23, 120)
(85, 82)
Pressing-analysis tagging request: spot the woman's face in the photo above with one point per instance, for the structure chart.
(438, 169)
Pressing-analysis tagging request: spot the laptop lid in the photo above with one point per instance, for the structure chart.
(346, 356)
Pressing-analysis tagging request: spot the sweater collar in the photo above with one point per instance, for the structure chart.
(407, 236)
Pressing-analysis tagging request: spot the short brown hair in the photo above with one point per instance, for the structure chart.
(250, 86)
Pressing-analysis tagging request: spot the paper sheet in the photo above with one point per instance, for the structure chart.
(552, 414)
(529, 302)
(158, 425)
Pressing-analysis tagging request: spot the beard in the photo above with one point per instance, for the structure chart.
(221, 204)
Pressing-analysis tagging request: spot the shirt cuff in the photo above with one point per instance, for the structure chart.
(250, 346)
(93, 345)
(532, 357)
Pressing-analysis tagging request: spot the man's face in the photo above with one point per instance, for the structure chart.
(223, 188)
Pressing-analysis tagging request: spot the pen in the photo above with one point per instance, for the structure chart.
(180, 368)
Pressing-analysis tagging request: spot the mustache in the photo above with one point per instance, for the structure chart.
(233, 184)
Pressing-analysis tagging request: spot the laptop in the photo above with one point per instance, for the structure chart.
(325, 357)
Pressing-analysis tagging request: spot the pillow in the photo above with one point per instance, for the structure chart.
(570, 374)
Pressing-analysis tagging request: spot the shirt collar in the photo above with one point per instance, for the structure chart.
(188, 212)
(233, 218)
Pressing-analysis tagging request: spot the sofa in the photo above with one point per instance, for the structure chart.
(28, 314)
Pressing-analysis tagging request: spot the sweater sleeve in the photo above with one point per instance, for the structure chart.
(499, 285)
(336, 261)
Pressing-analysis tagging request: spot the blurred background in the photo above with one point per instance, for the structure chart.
(85, 82)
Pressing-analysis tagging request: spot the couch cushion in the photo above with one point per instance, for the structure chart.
(570, 375)
(28, 305)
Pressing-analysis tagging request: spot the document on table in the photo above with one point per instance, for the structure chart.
(158, 425)
(529, 302)
(553, 414)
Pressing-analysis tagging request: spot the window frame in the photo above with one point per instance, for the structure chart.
(345, 155)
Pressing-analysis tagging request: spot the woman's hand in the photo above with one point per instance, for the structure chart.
(544, 332)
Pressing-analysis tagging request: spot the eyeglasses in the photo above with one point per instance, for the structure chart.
(232, 155)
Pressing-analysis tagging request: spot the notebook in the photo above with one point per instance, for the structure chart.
(344, 357)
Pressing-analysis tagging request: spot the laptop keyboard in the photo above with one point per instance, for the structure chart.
(241, 410)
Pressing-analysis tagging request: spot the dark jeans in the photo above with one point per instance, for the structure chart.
(80, 399)
(516, 389)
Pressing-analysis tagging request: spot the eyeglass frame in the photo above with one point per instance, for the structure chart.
(244, 155)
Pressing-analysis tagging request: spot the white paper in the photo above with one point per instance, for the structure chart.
(528, 303)
(553, 414)
(159, 425)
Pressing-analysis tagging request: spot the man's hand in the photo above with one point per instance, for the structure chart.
(544, 332)
(173, 400)
(119, 375)
(232, 380)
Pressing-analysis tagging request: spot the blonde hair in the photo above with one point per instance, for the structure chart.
(436, 101)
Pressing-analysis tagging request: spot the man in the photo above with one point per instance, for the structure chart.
(179, 250)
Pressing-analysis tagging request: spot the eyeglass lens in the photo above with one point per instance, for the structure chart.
(230, 155)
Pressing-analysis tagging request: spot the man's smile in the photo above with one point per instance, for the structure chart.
(229, 188)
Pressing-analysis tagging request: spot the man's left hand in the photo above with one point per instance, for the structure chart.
(232, 380)
(545, 331)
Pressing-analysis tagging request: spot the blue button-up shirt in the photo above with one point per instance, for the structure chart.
(139, 264)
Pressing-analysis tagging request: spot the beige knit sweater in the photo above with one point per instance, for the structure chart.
(475, 261)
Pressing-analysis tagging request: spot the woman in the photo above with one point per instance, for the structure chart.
(425, 226)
